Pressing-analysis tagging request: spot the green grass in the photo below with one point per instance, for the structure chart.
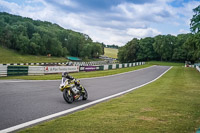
(111, 52)
(163, 63)
(169, 105)
(11, 56)
(77, 75)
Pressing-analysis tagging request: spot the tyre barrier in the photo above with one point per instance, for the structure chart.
(41, 70)
(17, 70)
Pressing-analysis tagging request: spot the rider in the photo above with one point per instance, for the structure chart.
(65, 76)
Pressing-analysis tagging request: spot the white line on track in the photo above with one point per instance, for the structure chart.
(26, 124)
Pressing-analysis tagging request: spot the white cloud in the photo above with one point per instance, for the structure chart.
(67, 3)
(10, 6)
(149, 12)
(141, 33)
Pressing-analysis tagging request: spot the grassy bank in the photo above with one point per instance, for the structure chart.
(111, 52)
(78, 75)
(171, 104)
(11, 56)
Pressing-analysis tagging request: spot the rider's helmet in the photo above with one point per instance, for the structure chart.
(65, 74)
(77, 82)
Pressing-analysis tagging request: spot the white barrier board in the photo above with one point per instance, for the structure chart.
(60, 69)
(36, 70)
(105, 67)
(3, 71)
(114, 66)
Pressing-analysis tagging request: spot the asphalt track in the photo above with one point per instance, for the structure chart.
(22, 101)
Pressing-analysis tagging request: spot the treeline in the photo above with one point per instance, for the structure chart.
(162, 47)
(111, 46)
(41, 38)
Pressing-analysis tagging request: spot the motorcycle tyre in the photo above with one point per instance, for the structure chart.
(85, 95)
(68, 98)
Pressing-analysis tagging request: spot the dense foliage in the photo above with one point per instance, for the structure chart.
(162, 47)
(112, 46)
(41, 38)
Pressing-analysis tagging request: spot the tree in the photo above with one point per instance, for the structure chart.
(146, 51)
(86, 51)
(22, 44)
(97, 50)
(179, 52)
(36, 44)
(6, 36)
(128, 53)
(192, 46)
(195, 21)
(164, 45)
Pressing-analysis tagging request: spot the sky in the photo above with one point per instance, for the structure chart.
(110, 21)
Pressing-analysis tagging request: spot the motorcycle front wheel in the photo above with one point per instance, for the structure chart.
(68, 96)
(85, 95)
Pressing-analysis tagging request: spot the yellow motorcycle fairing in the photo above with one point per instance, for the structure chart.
(67, 85)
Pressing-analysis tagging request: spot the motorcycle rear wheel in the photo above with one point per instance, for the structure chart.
(68, 96)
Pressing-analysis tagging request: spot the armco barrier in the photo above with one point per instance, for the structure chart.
(17, 70)
(3, 71)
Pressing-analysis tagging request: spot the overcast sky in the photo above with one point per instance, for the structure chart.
(110, 21)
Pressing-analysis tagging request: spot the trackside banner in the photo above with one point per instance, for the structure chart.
(89, 68)
(60, 69)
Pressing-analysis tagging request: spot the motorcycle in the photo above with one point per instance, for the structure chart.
(72, 90)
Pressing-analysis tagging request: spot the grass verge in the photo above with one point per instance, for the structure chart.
(163, 63)
(78, 75)
(171, 104)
